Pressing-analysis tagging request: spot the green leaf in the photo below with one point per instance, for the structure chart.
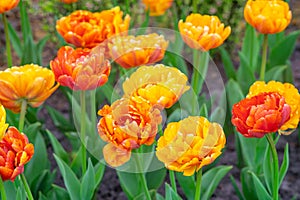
(39, 161)
(276, 73)
(29, 52)
(42, 183)
(268, 169)
(218, 115)
(58, 192)
(76, 161)
(187, 184)
(155, 178)
(71, 182)
(233, 92)
(21, 194)
(211, 180)
(59, 120)
(247, 184)
(236, 188)
(203, 111)
(57, 147)
(32, 130)
(88, 186)
(99, 172)
(39, 48)
(283, 50)
(25, 22)
(245, 75)
(130, 183)
(261, 191)
(15, 40)
(251, 48)
(170, 193)
(10, 190)
(285, 164)
(227, 63)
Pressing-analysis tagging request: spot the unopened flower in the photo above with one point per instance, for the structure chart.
(268, 16)
(3, 125)
(125, 125)
(30, 82)
(80, 69)
(6, 5)
(157, 7)
(86, 29)
(261, 114)
(131, 51)
(203, 32)
(291, 97)
(158, 84)
(15, 152)
(68, 1)
(190, 144)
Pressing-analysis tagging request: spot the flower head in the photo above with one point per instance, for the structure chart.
(291, 97)
(190, 144)
(261, 114)
(3, 125)
(163, 88)
(268, 16)
(203, 31)
(68, 1)
(8, 5)
(131, 51)
(157, 8)
(30, 82)
(15, 152)
(125, 125)
(86, 29)
(80, 69)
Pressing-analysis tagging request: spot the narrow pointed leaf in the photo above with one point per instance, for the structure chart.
(261, 191)
(285, 164)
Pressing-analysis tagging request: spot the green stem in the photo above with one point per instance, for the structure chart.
(82, 130)
(200, 63)
(2, 189)
(93, 107)
(264, 58)
(276, 167)
(198, 185)
(144, 182)
(172, 179)
(26, 186)
(8, 48)
(195, 3)
(127, 6)
(22, 114)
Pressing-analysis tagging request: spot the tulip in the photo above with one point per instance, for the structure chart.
(30, 82)
(260, 115)
(268, 17)
(188, 145)
(203, 32)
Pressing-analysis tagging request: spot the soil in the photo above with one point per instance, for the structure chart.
(110, 188)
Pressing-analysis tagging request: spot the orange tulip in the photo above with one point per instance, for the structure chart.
(6, 5)
(15, 152)
(126, 125)
(158, 84)
(291, 97)
(268, 16)
(260, 115)
(80, 69)
(203, 31)
(30, 82)
(86, 29)
(157, 7)
(131, 51)
(68, 1)
(190, 144)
